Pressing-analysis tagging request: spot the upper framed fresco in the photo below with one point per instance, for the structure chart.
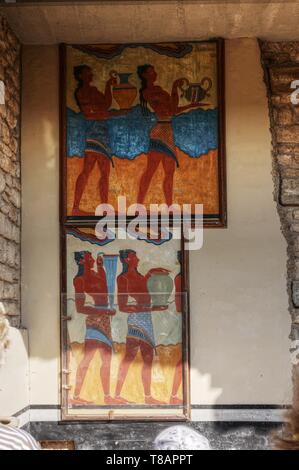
(145, 121)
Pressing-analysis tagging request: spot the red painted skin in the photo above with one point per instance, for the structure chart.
(94, 284)
(134, 284)
(166, 106)
(94, 105)
(174, 399)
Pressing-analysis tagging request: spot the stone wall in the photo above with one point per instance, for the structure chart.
(281, 66)
(10, 176)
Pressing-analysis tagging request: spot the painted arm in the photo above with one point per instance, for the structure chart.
(80, 298)
(123, 297)
(94, 103)
(93, 112)
(108, 92)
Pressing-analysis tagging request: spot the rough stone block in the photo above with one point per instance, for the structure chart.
(13, 215)
(2, 182)
(282, 99)
(295, 293)
(11, 291)
(289, 191)
(11, 119)
(287, 149)
(284, 116)
(5, 133)
(8, 274)
(15, 197)
(2, 71)
(12, 40)
(288, 134)
(11, 253)
(289, 172)
(8, 230)
(6, 162)
(10, 308)
(282, 77)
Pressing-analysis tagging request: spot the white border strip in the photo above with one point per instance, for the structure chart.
(238, 415)
(23, 418)
(44, 414)
(197, 414)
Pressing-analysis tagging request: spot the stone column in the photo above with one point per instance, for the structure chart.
(281, 67)
(10, 185)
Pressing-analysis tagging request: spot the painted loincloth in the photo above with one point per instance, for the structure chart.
(140, 326)
(97, 139)
(98, 328)
(162, 140)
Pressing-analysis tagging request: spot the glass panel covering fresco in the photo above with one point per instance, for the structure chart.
(124, 327)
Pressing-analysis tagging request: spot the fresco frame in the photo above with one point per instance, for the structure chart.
(64, 386)
(217, 221)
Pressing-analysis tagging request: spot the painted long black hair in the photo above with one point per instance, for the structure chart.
(78, 69)
(140, 71)
(123, 254)
(79, 256)
(180, 260)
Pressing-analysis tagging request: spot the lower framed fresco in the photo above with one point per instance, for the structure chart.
(125, 328)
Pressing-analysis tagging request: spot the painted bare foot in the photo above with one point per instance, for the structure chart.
(122, 401)
(149, 400)
(109, 400)
(174, 400)
(79, 212)
(80, 401)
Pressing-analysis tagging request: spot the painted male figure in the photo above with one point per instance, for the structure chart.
(98, 322)
(140, 336)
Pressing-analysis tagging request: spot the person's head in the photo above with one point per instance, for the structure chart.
(128, 258)
(180, 437)
(83, 74)
(84, 260)
(146, 74)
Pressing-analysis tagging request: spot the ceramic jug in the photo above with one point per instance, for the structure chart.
(160, 286)
(124, 92)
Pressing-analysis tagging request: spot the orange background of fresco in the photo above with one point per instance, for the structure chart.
(163, 370)
(195, 181)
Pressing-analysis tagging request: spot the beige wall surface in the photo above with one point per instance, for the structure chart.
(239, 319)
(40, 213)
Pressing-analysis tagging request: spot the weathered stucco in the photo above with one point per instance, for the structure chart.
(153, 21)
